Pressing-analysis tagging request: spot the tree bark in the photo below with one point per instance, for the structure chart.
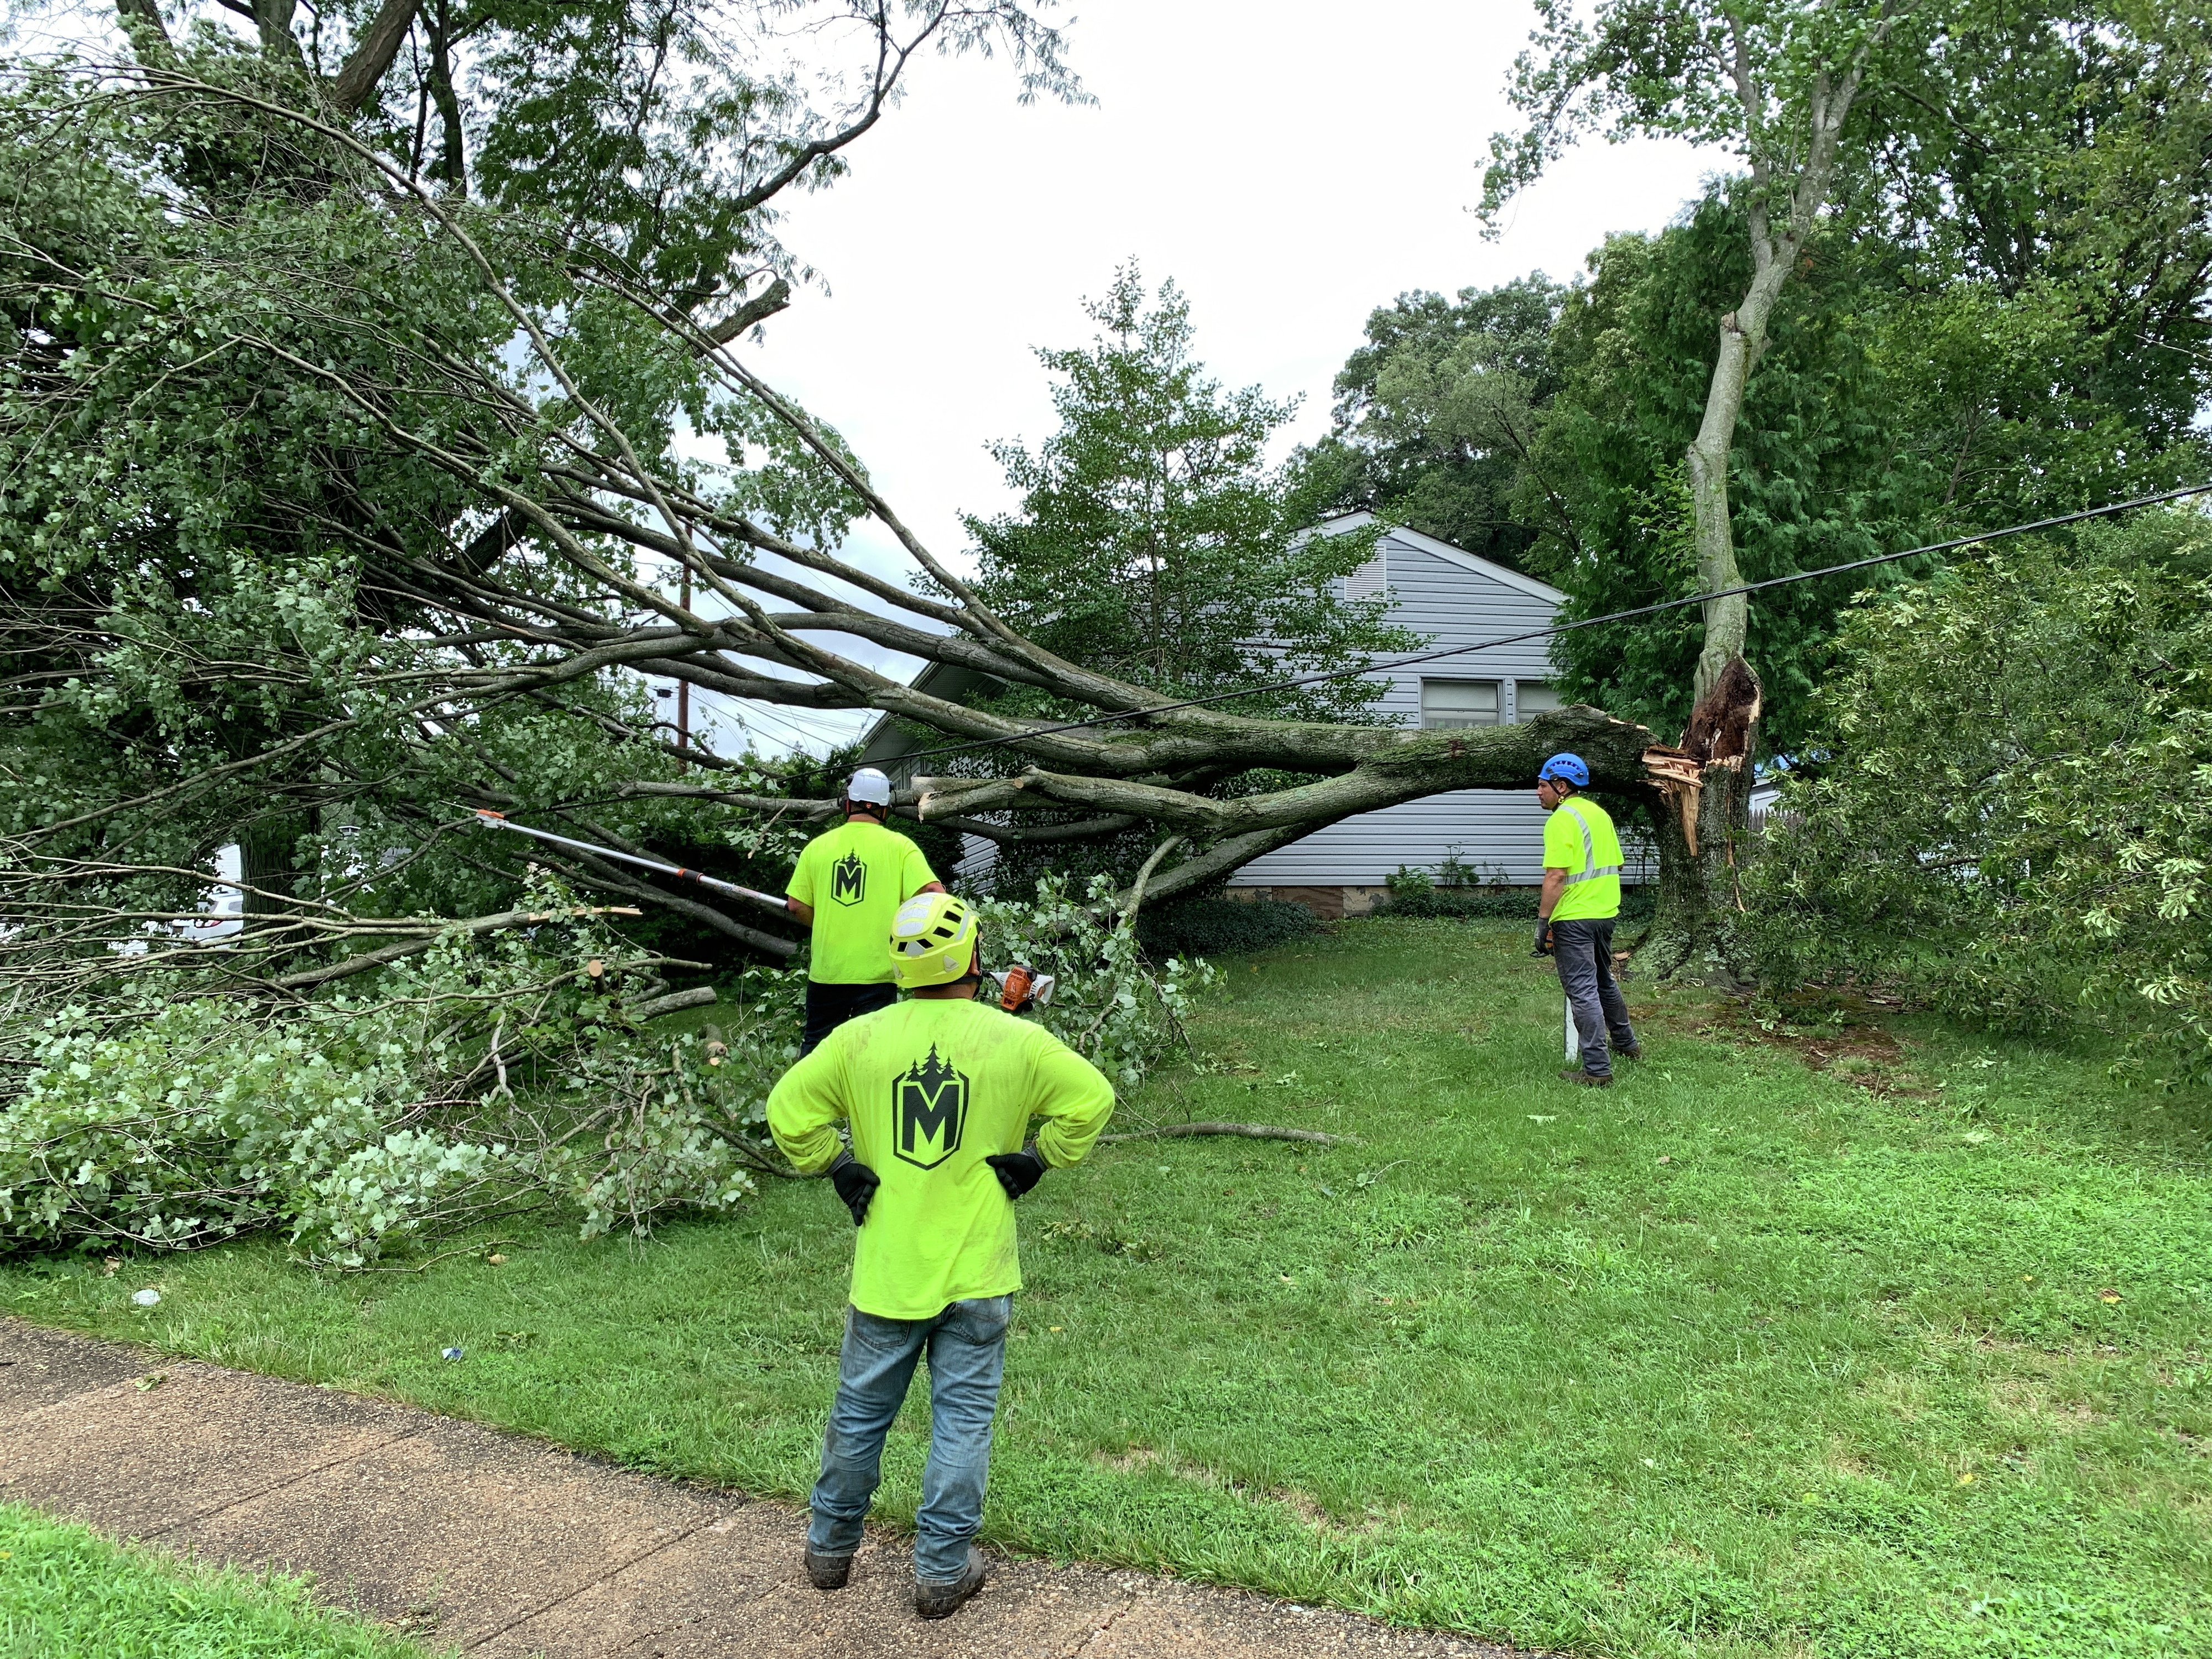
(451, 168)
(1702, 827)
(1695, 928)
(360, 75)
(268, 863)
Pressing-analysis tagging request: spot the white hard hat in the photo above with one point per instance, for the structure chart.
(870, 786)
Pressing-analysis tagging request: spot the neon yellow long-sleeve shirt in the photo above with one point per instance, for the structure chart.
(932, 1086)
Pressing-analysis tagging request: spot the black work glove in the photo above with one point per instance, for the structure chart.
(856, 1184)
(1018, 1171)
(1543, 938)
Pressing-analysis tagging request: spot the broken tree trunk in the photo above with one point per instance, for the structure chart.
(1703, 823)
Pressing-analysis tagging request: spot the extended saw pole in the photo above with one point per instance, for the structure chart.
(500, 821)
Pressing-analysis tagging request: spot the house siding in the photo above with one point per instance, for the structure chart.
(1499, 833)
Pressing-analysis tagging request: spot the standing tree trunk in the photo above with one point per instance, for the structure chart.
(1705, 829)
(1703, 825)
(268, 864)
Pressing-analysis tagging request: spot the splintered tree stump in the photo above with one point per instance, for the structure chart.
(1723, 729)
(1706, 785)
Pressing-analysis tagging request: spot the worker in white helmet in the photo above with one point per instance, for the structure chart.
(846, 887)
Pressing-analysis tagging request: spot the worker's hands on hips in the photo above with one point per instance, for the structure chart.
(1018, 1171)
(1543, 938)
(856, 1184)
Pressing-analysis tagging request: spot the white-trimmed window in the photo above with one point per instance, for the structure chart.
(1370, 580)
(1459, 702)
(1534, 697)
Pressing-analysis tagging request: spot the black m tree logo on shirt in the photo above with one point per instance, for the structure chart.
(929, 1105)
(848, 880)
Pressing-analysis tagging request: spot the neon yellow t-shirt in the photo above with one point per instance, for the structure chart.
(932, 1086)
(1580, 839)
(856, 877)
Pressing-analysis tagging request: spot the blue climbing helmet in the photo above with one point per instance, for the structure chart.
(1569, 768)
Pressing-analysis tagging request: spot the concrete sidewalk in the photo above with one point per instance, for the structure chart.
(509, 1547)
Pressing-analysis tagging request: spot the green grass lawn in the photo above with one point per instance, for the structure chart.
(1901, 1355)
(68, 1594)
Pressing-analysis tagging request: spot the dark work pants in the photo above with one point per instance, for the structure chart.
(1583, 951)
(828, 1006)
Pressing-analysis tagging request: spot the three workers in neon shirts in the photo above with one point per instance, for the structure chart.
(937, 1271)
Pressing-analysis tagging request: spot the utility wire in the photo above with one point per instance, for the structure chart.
(1561, 628)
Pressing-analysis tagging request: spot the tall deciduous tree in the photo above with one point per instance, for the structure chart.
(1436, 414)
(1823, 469)
(1939, 128)
(1774, 85)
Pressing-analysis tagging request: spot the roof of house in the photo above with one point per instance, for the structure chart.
(1450, 555)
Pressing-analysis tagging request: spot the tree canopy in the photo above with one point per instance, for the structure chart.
(1435, 414)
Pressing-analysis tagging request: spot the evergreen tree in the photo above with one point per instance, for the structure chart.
(1157, 543)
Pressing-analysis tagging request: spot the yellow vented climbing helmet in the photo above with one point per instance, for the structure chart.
(933, 941)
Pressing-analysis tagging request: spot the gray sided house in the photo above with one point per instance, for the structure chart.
(1483, 836)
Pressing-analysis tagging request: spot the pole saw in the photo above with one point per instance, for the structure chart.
(1020, 987)
(500, 821)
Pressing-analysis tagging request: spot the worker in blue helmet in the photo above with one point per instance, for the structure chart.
(1575, 915)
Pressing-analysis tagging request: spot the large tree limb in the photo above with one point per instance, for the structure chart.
(365, 68)
(757, 310)
(383, 956)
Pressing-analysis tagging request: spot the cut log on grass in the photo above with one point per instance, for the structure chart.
(1249, 1131)
(698, 996)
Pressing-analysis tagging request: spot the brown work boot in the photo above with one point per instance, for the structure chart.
(1587, 1079)
(937, 1598)
(828, 1573)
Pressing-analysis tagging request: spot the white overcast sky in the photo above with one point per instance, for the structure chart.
(1292, 165)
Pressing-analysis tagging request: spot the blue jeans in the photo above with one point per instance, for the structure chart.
(967, 1348)
(1583, 951)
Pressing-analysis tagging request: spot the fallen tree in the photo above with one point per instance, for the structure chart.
(438, 581)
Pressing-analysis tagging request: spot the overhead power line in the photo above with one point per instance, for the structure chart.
(1562, 628)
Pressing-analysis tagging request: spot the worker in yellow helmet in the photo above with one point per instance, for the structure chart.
(1575, 915)
(938, 1092)
(844, 886)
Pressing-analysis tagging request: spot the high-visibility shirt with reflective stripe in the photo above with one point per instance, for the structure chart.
(1579, 838)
